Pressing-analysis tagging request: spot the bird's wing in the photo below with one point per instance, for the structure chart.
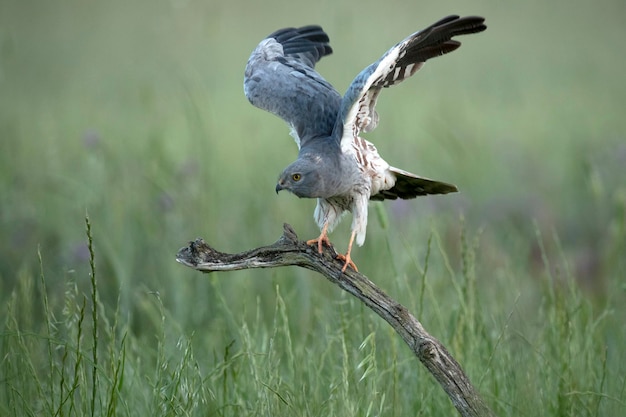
(357, 112)
(280, 78)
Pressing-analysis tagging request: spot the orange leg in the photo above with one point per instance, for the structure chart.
(347, 257)
(321, 240)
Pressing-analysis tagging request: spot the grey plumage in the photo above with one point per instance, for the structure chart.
(281, 79)
(335, 165)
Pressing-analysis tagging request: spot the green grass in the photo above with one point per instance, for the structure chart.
(132, 114)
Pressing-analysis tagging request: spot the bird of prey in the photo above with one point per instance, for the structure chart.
(335, 164)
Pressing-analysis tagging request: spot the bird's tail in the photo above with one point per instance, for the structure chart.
(409, 186)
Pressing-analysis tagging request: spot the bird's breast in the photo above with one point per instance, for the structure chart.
(372, 167)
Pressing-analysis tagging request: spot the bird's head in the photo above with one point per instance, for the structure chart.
(301, 178)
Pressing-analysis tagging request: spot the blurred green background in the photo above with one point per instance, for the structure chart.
(134, 113)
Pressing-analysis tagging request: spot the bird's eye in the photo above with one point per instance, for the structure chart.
(296, 177)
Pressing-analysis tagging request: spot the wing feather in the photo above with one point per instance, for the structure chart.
(357, 112)
(280, 77)
(408, 185)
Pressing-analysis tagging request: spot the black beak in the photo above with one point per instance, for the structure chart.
(278, 187)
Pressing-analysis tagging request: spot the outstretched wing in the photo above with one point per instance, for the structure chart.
(280, 78)
(357, 112)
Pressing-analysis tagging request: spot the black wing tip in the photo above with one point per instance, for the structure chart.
(469, 24)
(310, 33)
(303, 39)
(437, 39)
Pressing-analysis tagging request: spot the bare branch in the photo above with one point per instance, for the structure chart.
(288, 250)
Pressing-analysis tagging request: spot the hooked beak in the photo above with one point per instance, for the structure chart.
(279, 187)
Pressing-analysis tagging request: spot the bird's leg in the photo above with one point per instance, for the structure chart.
(321, 240)
(347, 258)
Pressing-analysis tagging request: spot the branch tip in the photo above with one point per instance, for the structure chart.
(196, 252)
(289, 234)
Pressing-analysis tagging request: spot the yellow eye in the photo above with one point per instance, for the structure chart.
(296, 177)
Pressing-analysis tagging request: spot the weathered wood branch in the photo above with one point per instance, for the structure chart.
(288, 250)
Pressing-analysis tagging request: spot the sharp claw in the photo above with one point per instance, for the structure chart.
(321, 240)
(348, 262)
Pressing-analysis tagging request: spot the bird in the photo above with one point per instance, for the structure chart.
(335, 165)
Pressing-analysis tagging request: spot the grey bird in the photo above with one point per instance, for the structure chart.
(335, 165)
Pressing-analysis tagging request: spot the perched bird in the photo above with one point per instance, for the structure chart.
(335, 164)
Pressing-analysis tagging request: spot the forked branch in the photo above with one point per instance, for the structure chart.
(288, 250)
